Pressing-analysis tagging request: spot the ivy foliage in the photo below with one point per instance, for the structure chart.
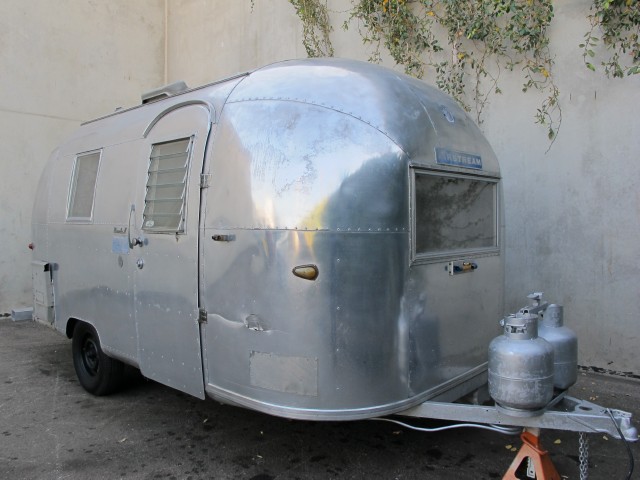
(619, 24)
(464, 46)
(315, 27)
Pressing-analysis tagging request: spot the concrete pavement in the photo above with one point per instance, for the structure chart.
(50, 428)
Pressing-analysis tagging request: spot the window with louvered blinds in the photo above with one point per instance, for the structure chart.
(165, 199)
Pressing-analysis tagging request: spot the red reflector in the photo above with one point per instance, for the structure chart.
(31, 246)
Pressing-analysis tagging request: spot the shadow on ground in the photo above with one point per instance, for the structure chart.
(52, 429)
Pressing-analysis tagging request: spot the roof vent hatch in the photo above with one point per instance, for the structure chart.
(164, 92)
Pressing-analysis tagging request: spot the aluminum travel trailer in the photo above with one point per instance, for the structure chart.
(317, 239)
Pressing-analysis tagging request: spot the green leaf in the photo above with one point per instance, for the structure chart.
(591, 67)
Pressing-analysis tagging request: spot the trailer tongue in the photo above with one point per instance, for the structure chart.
(562, 412)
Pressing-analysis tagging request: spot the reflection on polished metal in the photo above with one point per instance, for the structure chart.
(308, 272)
(370, 177)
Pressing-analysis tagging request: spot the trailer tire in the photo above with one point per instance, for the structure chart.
(98, 373)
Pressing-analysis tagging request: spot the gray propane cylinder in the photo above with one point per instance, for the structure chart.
(565, 346)
(521, 366)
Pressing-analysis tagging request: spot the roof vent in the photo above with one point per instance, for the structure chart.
(164, 92)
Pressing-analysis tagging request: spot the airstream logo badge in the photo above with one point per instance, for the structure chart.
(458, 159)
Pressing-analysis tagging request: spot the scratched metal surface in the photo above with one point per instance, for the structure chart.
(313, 163)
(309, 162)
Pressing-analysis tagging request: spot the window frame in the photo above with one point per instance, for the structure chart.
(446, 255)
(182, 226)
(73, 187)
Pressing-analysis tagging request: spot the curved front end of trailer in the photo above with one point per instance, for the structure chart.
(350, 252)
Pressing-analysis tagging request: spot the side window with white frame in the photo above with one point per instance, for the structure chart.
(166, 189)
(83, 186)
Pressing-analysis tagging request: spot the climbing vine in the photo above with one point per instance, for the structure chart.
(464, 46)
(618, 21)
(315, 27)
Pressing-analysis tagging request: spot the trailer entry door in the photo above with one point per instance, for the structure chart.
(165, 234)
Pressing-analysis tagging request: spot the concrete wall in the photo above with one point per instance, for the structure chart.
(209, 40)
(573, 214)
(61, 63)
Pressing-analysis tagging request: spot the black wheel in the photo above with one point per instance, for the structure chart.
(98, 373)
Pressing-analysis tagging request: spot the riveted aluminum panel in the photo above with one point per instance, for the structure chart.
(312, 164)
(323, 175)
(166, 273)
(91, 265)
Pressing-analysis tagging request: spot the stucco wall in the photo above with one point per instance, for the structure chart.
(61, 63)
(209, 40)
(572, 214)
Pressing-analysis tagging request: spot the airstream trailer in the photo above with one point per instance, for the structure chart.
(317, 239)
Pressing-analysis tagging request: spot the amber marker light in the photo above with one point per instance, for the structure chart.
(308, 272)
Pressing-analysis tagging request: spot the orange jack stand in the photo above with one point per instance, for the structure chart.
(544, 469)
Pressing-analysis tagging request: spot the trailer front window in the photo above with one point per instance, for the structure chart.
(164, 203)
(454, 213)
(83, 186)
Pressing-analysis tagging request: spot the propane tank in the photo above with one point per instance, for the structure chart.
(565, 346)
(521, 366)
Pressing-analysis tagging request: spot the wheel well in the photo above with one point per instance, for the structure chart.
(71, 326)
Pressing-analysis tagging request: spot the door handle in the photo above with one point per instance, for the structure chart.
(137, 241)
(224, 238)
(455, 268)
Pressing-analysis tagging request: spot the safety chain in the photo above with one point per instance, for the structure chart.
(583, 450)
